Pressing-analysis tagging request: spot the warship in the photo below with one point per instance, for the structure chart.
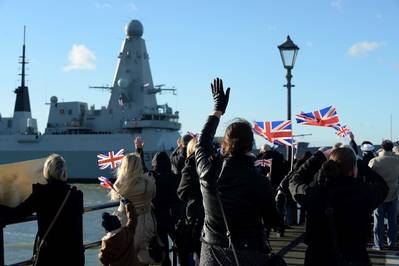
(79, 132)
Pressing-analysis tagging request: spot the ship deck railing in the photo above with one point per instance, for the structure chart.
(33, 218)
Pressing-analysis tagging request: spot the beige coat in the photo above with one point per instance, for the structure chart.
(386, 164)
(117, 247)
(141, 196)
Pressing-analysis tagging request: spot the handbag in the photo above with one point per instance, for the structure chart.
(36, 253)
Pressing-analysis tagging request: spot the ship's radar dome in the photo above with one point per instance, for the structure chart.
(54, 99)
(123, 83)
(134, 29)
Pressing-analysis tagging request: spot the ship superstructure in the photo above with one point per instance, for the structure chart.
(79, 132)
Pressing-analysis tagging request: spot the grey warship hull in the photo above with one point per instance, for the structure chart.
(80, 151)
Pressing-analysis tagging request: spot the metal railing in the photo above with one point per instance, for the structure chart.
(33, 218)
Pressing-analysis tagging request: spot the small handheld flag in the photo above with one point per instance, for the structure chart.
(279, 132)
(106, 183)
(326, 117)
(263, 163)
(111, 160)
(342, 131)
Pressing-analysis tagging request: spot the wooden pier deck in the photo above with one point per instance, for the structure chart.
(292, 248)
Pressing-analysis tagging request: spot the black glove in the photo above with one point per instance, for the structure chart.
(220, 98)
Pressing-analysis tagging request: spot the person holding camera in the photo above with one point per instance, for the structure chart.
(338, 205)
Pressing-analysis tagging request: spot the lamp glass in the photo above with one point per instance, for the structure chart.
(288, 57)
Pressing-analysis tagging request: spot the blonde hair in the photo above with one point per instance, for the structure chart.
(128, 174)
(55, 168)
(191, 146)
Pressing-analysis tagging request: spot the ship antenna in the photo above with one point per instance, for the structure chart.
(23, 62)
(22, 103)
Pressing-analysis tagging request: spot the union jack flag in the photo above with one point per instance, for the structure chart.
(326, 117)
(111, 160)
(264, 163)
(342, 131)
(105, 183)
(275, 131)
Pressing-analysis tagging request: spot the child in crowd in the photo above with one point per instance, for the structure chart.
(117, 247)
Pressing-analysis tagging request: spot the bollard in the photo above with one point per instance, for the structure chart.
(1, 244)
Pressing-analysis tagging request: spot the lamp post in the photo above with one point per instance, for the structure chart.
(288, 52)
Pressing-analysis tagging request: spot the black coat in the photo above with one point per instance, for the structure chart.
(64, 243)
(189, 191)
(165, 198)
(352, 200)
(246, 196)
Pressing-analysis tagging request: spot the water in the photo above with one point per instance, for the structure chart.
(19, 238)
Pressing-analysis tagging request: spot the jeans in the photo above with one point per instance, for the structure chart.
(390, 209)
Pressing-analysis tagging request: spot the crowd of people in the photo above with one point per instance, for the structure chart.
(218, 206)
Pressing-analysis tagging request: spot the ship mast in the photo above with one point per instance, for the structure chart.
(22, 103)
(23, 62)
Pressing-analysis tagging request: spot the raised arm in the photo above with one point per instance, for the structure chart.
(178, 157)
(204, 150)
(300, 180)
(352, 143)
(139, 145)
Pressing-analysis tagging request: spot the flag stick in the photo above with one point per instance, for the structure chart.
(292, 157)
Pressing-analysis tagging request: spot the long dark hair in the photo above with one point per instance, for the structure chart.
(340, 163)
(238, 138)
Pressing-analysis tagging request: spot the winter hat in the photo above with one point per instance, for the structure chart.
(110, 222)
(186, 139)
(367, 146)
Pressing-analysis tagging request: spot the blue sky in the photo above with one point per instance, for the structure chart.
(349, 57)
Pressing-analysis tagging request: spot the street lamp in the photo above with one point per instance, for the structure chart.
(288, 52)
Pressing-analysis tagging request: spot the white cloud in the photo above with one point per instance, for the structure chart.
(80, 57)
(102, 5)
(132, 6)
(337, 4)
(363, 48)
